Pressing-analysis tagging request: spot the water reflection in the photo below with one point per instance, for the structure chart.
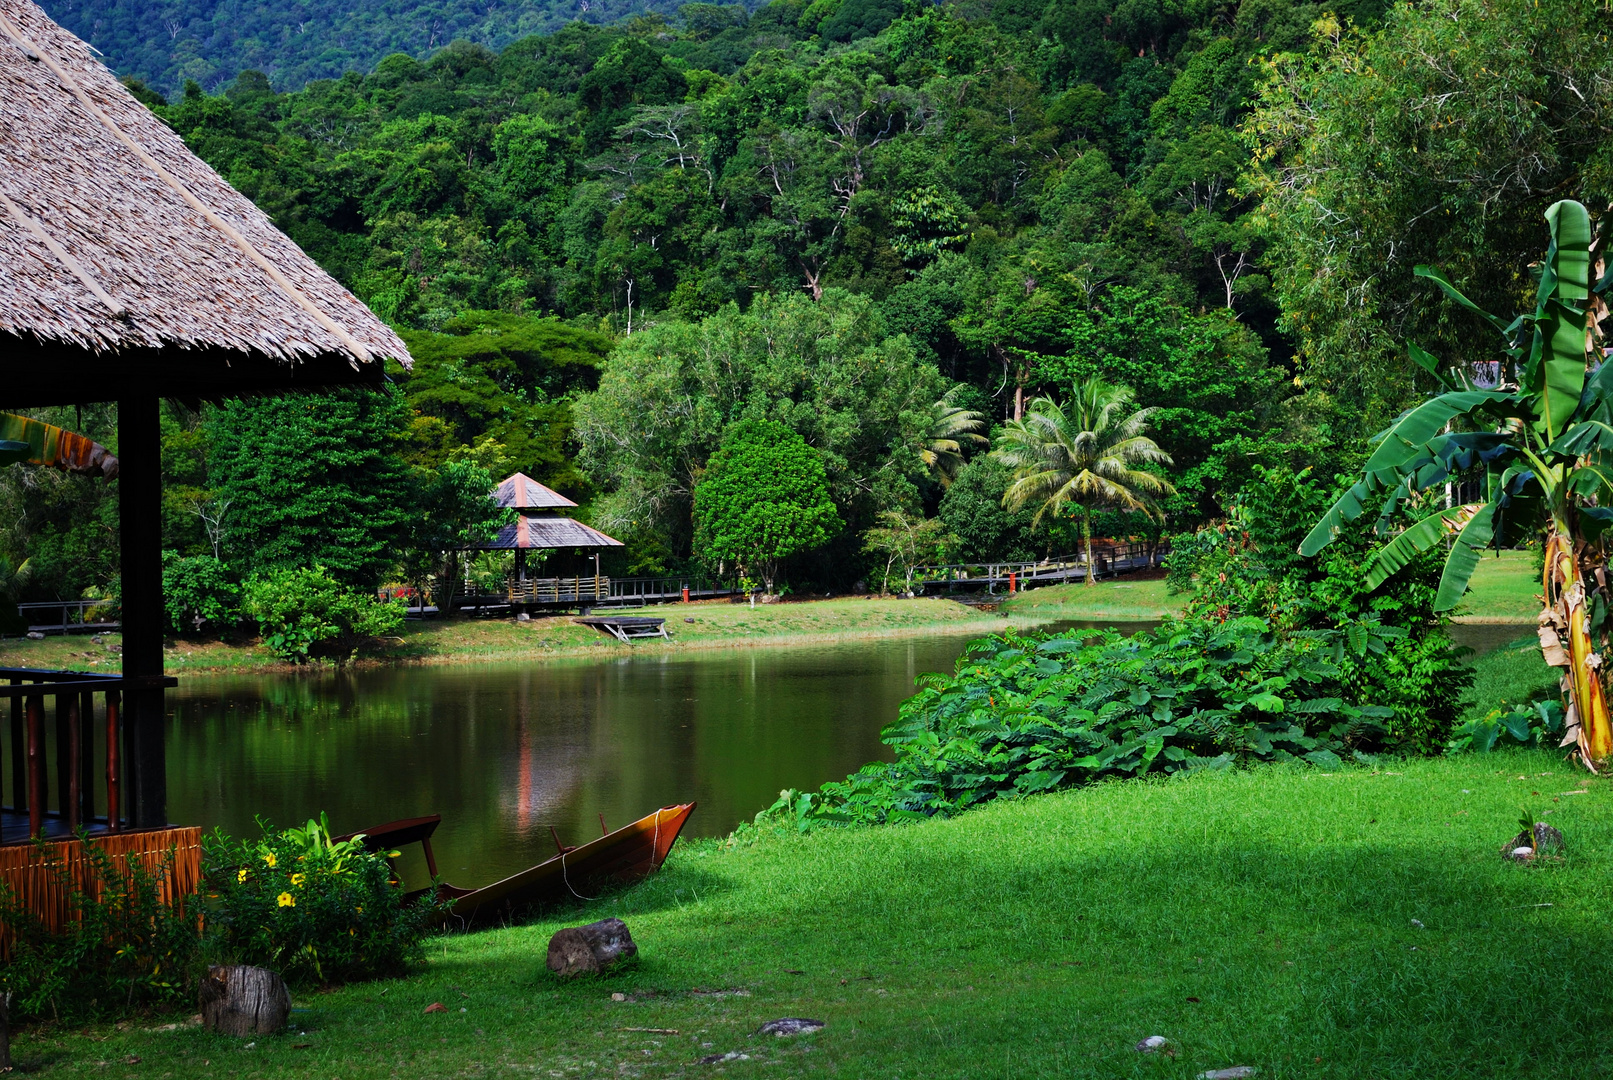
(507, 752)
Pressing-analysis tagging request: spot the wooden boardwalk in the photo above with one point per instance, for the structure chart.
(1108, 560)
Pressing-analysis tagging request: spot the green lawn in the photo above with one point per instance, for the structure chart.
(1123, 599)
(1355, 924)
(1503, 589)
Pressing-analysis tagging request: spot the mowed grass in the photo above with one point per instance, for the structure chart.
(1505, 587)
(1353, 924)
(1514, 674)
(1126, 599)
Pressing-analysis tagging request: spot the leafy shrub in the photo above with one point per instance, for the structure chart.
(120, 950)
(304, 614)
(310, 908)
(1028, 714)
(197, 594)
(1253, 567)
(1536, 725)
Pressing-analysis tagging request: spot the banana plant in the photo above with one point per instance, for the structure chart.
(1541, 443)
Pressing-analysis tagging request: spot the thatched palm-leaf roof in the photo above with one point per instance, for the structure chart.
(118, 242)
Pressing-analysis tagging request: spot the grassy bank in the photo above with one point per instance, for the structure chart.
(1358, 924)
(704, 625)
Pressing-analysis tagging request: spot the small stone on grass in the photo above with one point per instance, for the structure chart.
(789, 1025)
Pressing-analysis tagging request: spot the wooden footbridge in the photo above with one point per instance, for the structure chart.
(1002, 577)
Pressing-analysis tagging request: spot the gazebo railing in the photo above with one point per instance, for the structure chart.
(559, 590)
(84, 713)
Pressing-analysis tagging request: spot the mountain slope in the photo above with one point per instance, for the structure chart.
(165, 42)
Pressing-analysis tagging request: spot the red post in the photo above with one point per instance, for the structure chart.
(1013, 582)
(686, 594)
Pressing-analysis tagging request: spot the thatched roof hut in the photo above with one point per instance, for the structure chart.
(130, 271)
(127, 260)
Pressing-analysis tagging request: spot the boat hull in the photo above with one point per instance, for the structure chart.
(630, 853)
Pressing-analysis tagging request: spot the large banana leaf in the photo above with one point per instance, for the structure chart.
(1437, 276)
(1464, 557)
(1394, 555)
(58, 447)
(1413, 431)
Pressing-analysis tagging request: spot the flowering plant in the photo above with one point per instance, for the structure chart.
(310, 907)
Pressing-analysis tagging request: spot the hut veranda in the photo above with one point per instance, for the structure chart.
(130, 272)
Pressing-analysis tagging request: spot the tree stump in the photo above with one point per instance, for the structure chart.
(590, 949)
(240, 1000)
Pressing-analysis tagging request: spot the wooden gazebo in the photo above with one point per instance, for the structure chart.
(541, 525)
(131, 272)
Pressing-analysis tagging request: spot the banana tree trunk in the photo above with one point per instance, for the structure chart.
(1565, 641)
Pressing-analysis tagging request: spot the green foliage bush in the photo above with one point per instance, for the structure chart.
(973, 511)
(763, 498)
(1024, 714)
(306, 614)
(1539, 724)
(1252, 566)
(122, 949)
(198, 594)
(312, 909)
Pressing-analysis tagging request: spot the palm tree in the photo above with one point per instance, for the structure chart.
(1087, 454)
(940, 447)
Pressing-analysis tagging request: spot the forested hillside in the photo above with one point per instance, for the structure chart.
(165, 42)
(609, 244)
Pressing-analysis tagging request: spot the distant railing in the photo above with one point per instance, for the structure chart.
(1108, 558)
(666, 588)
(67, 623)
(84, 711)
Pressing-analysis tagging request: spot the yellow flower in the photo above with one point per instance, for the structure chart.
(240, 878)
(298, 879)
(287, 900)
(269, 860)
(353, 933)
(359, 909)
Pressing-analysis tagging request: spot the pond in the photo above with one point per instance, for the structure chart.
(506, 752)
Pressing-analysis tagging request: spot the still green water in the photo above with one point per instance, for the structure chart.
(505, 752)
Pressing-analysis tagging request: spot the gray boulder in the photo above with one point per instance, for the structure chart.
(592, 949)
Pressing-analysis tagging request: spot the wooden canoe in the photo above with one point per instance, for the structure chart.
(632, 852)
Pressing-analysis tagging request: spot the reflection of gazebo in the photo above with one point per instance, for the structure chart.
(130, 272)
(540, 525)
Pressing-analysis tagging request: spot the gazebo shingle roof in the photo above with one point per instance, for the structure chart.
(520, 492)
(115, 238)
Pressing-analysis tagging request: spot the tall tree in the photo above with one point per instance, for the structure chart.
(1083, 456)
(763, 498)
(313, 479)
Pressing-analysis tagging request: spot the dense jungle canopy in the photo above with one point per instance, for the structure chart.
(609, 242)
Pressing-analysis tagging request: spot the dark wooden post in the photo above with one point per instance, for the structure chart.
(114, 802)
(35, 712)
(86, 761)
(140, 525)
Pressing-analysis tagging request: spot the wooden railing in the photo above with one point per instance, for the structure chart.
(85, 713)
(559, 590)
(1108, 558)
(72, 613)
